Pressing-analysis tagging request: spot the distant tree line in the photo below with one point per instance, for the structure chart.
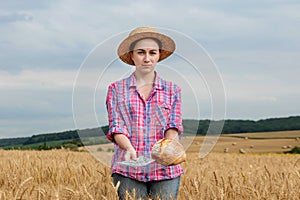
(73, 135)
(67, 137)
(244, 126)
(199, 127)
(13, 141)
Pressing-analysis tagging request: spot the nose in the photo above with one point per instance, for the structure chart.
(147, 57)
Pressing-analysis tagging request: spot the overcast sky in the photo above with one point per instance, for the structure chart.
(254, 45)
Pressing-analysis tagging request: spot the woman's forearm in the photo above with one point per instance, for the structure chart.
(123, 141)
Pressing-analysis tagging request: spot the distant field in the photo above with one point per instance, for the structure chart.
(268, 135)
(266, 142)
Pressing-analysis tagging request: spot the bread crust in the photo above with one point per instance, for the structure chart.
(168, 152)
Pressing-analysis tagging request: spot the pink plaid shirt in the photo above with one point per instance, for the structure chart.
(144, 123)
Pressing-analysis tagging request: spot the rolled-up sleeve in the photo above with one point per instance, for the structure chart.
(175, 120)
(116, 123)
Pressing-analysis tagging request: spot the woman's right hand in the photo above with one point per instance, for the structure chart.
(126, 145)
(130, 154)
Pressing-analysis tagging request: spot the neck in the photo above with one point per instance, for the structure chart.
(142, 79)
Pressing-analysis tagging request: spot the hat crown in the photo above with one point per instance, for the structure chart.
(143, 29)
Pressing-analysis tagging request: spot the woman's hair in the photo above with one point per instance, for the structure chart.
(132, 45)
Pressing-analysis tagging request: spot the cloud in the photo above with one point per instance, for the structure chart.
(255, 46)
(22, 5)
(37, 79)
(11, 128)
(15, 17)
(26, 111)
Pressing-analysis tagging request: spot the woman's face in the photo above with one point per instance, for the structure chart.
(145, 55)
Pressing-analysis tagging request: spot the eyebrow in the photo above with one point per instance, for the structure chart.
(145, 50)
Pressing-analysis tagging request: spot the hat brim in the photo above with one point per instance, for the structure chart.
(167, 48)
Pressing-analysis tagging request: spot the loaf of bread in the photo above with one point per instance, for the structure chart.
(168, 152)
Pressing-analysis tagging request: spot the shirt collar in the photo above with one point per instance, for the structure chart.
(157, 82)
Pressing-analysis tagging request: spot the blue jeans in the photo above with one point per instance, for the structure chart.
(164, 189)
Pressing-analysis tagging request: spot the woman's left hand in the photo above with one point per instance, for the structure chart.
(172, 133)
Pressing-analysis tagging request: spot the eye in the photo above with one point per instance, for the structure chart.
(140, 52)
(153, 52)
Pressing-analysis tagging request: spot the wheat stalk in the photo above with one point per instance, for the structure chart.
(21, 185)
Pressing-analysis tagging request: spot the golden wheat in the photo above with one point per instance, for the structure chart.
(62, 174)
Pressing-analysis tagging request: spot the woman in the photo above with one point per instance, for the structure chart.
(143, 109)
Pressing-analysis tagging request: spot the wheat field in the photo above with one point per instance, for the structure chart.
(63, 174)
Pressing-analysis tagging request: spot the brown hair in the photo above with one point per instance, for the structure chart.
(132, 45)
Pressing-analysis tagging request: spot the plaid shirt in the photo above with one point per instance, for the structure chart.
(144, 123)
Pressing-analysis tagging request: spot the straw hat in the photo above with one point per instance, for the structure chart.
(167, 44)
